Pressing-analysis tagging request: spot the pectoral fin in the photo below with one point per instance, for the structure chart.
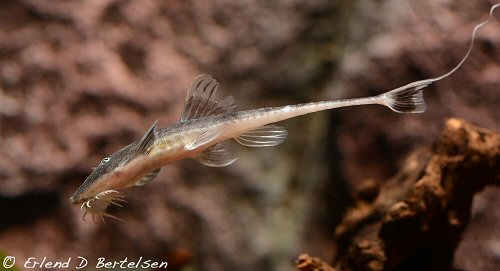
(203, 138)
(149, 177)
(216, 156)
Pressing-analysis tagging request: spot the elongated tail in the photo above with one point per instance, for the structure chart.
(406, 99)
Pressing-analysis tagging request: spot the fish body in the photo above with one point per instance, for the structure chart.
(205, 123)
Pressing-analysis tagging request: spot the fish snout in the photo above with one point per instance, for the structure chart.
(75, 199)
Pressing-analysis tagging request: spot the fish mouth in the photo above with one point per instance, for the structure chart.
(98, 204)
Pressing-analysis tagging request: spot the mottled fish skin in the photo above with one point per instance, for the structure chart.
(206, 122)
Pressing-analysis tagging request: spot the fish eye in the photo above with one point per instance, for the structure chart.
(105, 160)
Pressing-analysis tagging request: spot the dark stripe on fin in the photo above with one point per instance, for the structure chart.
(200, 101)
(146, 141)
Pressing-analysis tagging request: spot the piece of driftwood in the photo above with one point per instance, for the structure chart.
(414, 221)
(307, 263)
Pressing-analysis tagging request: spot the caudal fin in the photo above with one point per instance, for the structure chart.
(410, 98)
(407, 99)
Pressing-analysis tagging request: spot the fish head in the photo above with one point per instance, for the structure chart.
(106, 176)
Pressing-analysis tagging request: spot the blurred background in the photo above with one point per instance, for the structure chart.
(81, 79)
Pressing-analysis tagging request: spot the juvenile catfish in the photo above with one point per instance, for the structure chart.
(205, 123)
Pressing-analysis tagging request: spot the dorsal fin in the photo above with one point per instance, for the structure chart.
(200, 101)
(147, 139)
